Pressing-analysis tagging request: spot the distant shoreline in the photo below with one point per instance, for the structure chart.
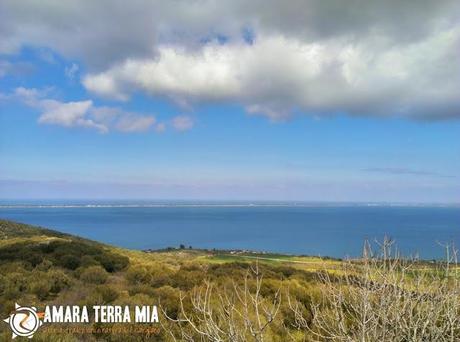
(229, 205)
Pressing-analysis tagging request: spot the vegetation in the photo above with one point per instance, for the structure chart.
(230, 296)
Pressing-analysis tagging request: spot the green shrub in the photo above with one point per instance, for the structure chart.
(107, 293)
(182, 279)
(70, 262)
(58, 280)
(142, 289)
(14, 285)
(112, 262)
(138, 275)
(94, 275)
(45, 265)
(41, 288)
(88, 260)
(169, 298)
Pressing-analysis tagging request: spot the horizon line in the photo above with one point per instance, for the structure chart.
(131, 203)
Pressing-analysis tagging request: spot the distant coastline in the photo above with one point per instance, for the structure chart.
(208, 204)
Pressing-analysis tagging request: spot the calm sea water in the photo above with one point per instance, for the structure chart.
(336, 231)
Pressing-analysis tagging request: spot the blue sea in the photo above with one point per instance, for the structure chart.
(336, 230)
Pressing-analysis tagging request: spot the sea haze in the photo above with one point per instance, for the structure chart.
(336, 230)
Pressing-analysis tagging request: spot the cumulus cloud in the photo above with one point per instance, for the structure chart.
(83, 113)
(312, 56)
(182, 123)
(276, 75)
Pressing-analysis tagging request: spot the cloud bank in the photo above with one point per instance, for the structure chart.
(374, 58)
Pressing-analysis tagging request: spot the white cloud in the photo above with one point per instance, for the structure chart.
(182, 123)
(123, 121)
(28, 93)
(104, 86)
(275, 75)
(312, 56)
(134, 123)
(83, 114)
(71, 71)
(30, 96)
(68, 114)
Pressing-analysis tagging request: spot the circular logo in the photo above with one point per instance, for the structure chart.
(24, 321)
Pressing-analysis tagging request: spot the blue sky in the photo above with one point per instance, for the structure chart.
(72, 126)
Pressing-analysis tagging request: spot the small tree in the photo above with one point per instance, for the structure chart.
(94, 274)
(236, 314)
(384, 297)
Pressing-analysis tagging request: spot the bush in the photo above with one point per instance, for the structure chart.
(107, 293)
(169, 298)
(142, 289)
(88, 260)
(70, 262)
(14, 285)
(41, 289)
(112, 262)
(94, 275)
(138, 275)
(46, 284)
(45, 265)
(58, 280)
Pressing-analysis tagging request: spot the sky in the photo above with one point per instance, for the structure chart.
(308, 100)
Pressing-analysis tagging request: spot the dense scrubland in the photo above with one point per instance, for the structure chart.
(217, 296)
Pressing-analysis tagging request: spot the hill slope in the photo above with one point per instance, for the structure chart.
(40, 266)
